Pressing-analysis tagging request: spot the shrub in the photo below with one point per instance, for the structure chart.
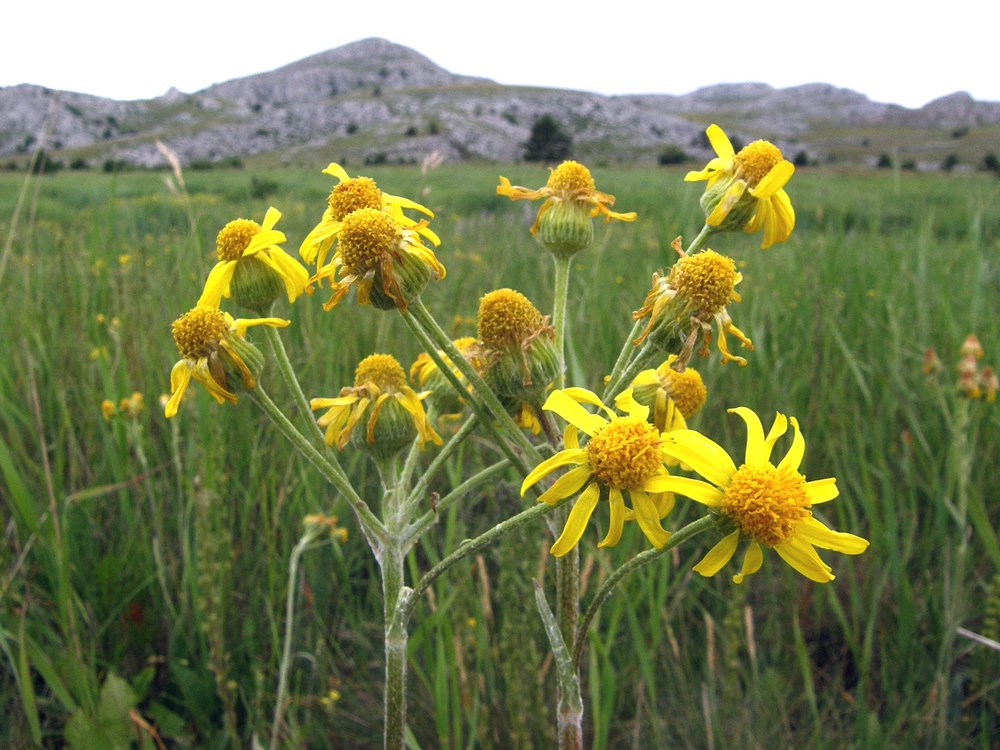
(262, 188)
(884, 161)
(990, 163)
(548, 141)
(949, 162)
(672, 154)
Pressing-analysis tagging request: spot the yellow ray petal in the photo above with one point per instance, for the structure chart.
(814, 532)
(699, 491)
(217, 283)
(802, 557)
(703, 455)
(752, 560)
(757, 451)
(583, 396)
(793, 458)
(335, 170)
(180, 376)
(774, 180)
(577, 522)
(720, 142)
(566, 485)
(648, 518)
(562, 458)
(718, 556)
(567, 408)
(822, 490)
(617, 519)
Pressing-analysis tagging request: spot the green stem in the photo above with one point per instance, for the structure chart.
(418, 527)
(570, 702)
(471, 546)
(417, 493)
(286, 652)
(480, 390)
(641, 360)
(288, 373)
(701, 239)
(373, 528)
(559, 314)
(643, 558)
(628, 349)
(391, 562)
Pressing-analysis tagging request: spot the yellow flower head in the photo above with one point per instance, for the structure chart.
(764, 504)
(213, 351)
(389, 263)
(571, 201)
(746, 189)
(623, 454)
(132, 406)
(425, 373)
(252, 266)
(516, 346)
(108, 409)
(686, 302)
(349, 195)
(672, 396)
(394, 412)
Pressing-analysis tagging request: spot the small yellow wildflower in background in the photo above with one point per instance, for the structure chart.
(746, 190)
(241, 245)
(764, 504)
(349, 195)
(563, 223)
(213, 350)
(623, 454)
(394, 411)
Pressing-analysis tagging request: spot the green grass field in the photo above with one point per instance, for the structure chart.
(156, 553)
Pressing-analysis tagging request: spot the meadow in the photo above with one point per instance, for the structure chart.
(144, 563)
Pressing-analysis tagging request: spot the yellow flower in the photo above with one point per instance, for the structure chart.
(673, 396)
(212, 349)
(623, 454)
(108, 409)
(389, 263)
(242, 242)
(764, 504)
(685, 303)
(425, 373)
(571, 201)
(379, 382)
(751, 188)
(347, 196)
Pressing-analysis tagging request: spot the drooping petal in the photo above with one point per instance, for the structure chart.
(814, 532)
(702, 454)
(801, 555)
(572, 412)
(648, 518)
(335, 170)
(664, 502)
(821, 490)
(718, 556)
(200, 372)
(617, 519)
(577, 521)
(217, 283)
(699, 491)
(562, 458)
(724, 206)
(774, 180)
(752, 560)
(583, 396)
(566, 485)
(180, 376)
(571, 437)
(291, 271)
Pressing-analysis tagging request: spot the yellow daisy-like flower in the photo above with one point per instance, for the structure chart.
(685, 303)
(211, 345)
(751, 188)
(243, 240)
(347, 196)
(571, 201)
(379, 382)
(389, 264)
(765, 504)
(623, 454)
(672, 396)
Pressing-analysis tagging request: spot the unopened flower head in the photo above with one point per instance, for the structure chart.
(684, 304)
(746, 190)
(564, 223)
(392, 411)
(623, 455)
(671, 396)
(760, 503)
(517, 346)
(214, 352)
(252, 268)
(388, 263)
(349, 195)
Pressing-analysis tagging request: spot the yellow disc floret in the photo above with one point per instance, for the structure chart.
(755, 161)
(767, 504)
(686, 389)
(351, 195)
(569, 177)
(506, 319)
(367, 236)
(383, 371)
(625, 453)
(235, 237)
(707, 279)
(198, 332)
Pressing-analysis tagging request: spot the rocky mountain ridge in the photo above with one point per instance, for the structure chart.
(377, 101)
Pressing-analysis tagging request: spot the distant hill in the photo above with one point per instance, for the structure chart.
(374, 101)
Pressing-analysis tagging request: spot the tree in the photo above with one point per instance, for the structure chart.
(548, 141)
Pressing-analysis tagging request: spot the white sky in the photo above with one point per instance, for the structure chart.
(907, 53)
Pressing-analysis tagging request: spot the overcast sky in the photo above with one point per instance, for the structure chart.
(890, 51)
